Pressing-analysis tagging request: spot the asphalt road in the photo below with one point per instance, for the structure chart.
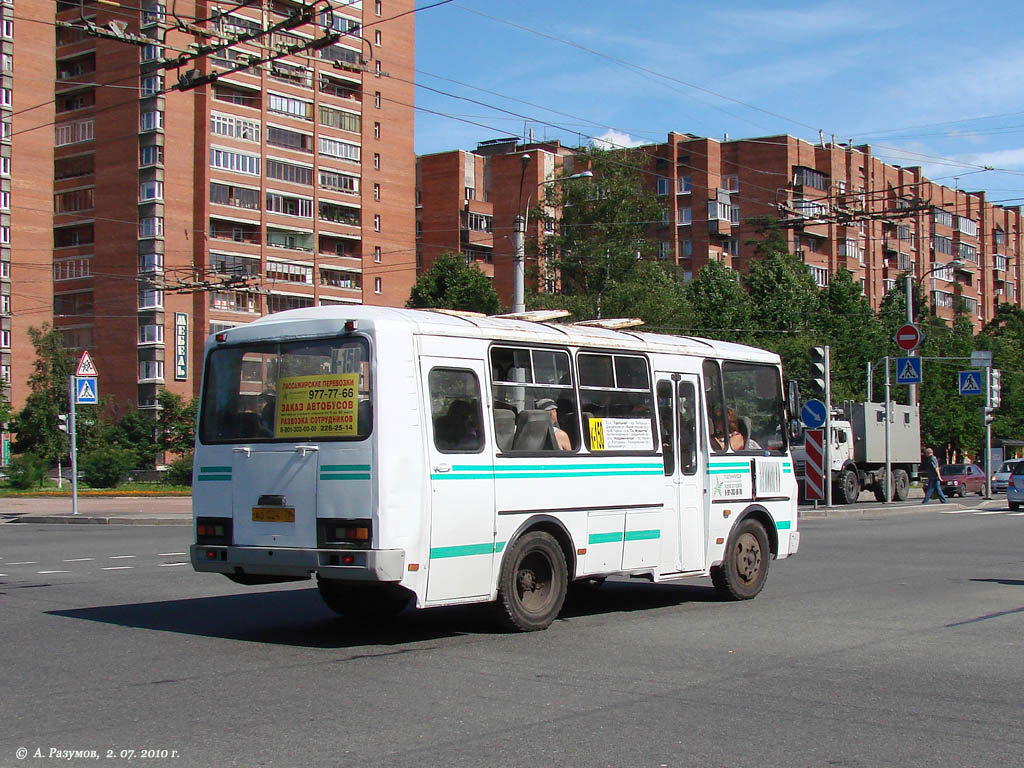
(891, 640)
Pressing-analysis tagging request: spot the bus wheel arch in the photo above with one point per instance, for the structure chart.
(752, 544)
(533, 578)
(556, 529)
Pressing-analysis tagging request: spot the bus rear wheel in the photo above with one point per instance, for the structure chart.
(363, 601)
(532, 584)
(743, 573)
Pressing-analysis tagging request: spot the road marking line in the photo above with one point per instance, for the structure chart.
(952, 511)
(169, 554)
(122, 557)
(118, 568)
(53, 571)
(1016, 514)
(26, 562)
(79, 560)
(993, 512)
(171, 565)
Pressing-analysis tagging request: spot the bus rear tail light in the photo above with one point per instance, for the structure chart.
(213, 530)
(355, 534)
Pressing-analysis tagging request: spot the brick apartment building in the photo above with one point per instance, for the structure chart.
(843, 209)
(174, 214)
(467, 202)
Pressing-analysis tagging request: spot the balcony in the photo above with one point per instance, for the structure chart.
(290, 239)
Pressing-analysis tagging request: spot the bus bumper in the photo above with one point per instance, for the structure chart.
(342, 564)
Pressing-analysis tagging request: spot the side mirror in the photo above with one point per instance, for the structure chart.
(793, 406)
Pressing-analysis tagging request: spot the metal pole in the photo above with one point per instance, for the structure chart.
(870, 381)
(74, 450)
(911, 388)
(888, 437)
(519, 265)
(988, 432)
(827, 473)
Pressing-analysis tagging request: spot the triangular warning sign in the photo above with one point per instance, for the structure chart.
(86, 366)
(85, 390)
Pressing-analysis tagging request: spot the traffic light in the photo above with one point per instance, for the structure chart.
(986, 416)
(819, 371)
(996, 391)
(62, 422)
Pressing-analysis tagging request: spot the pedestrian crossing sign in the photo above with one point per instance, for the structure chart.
(970, 382)
(908, 370)
(86, 391)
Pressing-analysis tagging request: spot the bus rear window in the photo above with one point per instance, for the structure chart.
(303, 390)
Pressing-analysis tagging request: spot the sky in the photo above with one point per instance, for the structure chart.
(937, 84)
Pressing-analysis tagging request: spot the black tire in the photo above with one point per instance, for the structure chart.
(1014, 504)
(901, 484)
(847, 487)
(363, 601)
(533, 582)
(743, 573)
(962, 492)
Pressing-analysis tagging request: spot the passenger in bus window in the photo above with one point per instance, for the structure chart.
(561, 436)
(461, 426)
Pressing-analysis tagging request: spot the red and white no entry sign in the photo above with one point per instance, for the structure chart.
(908, 337)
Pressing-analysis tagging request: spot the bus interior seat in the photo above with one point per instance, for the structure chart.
(534, 432)
(504, 428)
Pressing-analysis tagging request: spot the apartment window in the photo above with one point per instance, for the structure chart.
(151, 370)
(819, 275)
(905, 262)
(5, 304)
(290, 205)
(376, 99)
(5, 97)
(65, 237)
(338, 181)
(73, 133)
(945, 218)
(151, 334)
(290, 273)
(686, 249)
(73, 304)
(240, 96)
(340, 55)
(239, 162)
(998, 238)
(808, 177)
(480, 222)
(232, 301)
(376, 222)
(151, 121)
(75, 200)
(376, 254)
(376, 130)
(282, 137)
(151, 190)
(152, 15)
(291, 73)
(731, 182)
(338, 23)
(343, 150)
(151, 226)
(377, 8)
(719, 210)
(942, 244)
(149, 156)
(286, 105)
(151, 85)
(234, 127)
(150, 298)
(376, 161)
(967, 226)
(340, 214)
(72, 269)
(732, 246)
(278, 303)
(5, 238)
(376, 191)
(376, 37)
(151, 262)
(685, 216)
(968, 252)
(7, 29)
(5, 373)
(683, 185)
(290, 172)
(5, 270)
(735, 214)
(5, 339)
(905, 233)
(229, 194)
(5, 130)
(340, 119)
(378, 284)
(5, 166)
(664, 249)
(663, 185)
(151, 52)
(5, 201)
(339, 278)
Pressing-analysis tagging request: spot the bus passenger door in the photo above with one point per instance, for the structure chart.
(685, 523)
(461, 480)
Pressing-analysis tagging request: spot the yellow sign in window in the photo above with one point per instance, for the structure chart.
(318, 406)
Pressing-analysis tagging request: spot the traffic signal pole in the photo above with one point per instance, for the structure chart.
(74, 451)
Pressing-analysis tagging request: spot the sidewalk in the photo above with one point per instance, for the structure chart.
(99, 510)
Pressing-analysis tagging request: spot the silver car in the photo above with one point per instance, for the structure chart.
(1000, 478)
(1015, 488)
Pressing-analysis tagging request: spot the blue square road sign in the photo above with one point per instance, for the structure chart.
(86, 391)
(908, 370)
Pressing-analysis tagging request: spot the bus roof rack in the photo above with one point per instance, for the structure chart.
(612, 323)
(536, 315)
(456, 312)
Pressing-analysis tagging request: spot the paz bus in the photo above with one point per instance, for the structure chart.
(402, 455)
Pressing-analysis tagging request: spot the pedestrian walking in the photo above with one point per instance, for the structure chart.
(930, 471)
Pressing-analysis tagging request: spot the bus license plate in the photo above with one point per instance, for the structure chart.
(273, 514)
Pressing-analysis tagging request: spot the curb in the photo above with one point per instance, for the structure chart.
(899, 508)
(92, 520)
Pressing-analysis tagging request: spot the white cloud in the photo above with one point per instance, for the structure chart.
(612, 139)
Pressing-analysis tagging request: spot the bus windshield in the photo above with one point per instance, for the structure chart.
(304, 390)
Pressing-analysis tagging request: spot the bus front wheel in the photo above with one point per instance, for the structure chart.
(533, 583)
(743, 573)
(363, 601)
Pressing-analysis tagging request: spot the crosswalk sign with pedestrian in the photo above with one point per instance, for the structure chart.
(970, 382)
(86, 391)
(908, 370)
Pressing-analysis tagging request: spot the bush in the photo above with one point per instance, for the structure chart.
(179, 471)
(26, 470)
(106, 467)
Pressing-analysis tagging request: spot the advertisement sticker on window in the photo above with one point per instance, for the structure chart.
(317, 406)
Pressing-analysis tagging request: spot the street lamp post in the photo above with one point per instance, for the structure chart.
(519, 235)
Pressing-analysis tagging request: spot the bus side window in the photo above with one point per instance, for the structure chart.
(455, 410)
(665, 417)
(717, 427)
(687, 428)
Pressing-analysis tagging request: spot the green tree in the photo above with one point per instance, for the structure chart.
(853, 332)
(35, 425)
(653, 293)
(451, 283)
(949, 422)
(721, 308)
(1004, 336)
(176, 423)
(599, 234)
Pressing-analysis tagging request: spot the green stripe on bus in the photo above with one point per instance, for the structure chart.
(344, 467)
(201, 478)
(215, 469)
(328, 476)
(604, 538)
(783, 525)
(642, 535)
(736, 471)
(562, 466)
(465, 550)
(538, 475)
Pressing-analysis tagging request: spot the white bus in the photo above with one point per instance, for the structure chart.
(399, 454)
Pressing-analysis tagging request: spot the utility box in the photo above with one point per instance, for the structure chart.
(868, 423)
